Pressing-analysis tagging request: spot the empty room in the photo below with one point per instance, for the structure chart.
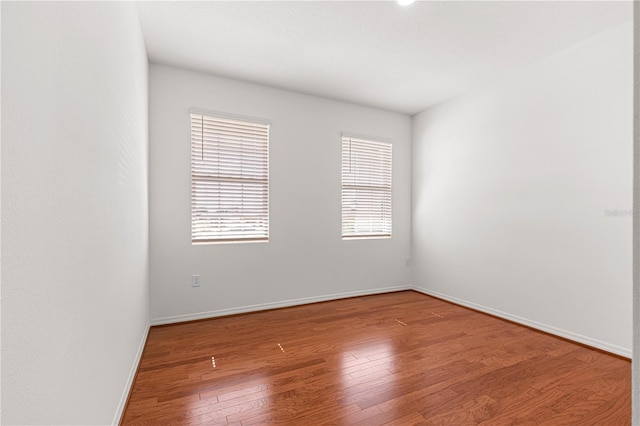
(318, 213)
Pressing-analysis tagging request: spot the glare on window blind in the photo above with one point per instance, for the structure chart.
(366, 188)
(229, 179)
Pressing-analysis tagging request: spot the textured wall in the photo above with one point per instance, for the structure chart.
(74, 209)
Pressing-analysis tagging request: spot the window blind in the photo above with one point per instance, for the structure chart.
(229, 179)
(366, 188)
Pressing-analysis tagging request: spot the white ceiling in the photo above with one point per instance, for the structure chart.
(380, 54)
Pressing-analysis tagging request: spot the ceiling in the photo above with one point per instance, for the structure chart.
(379, 54)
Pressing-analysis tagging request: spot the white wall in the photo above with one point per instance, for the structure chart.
(305, 258)
(74, 210)
(510, 187)
(636, 220)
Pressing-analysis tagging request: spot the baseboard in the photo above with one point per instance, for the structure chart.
(274, 305)
(132, 375)
(595, 343)
(607, 347)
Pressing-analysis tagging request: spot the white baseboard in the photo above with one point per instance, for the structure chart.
(273, 305)
(132, 375)
(608, 347)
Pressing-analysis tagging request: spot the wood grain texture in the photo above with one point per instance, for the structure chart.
(400, 359)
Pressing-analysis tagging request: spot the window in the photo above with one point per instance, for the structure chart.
(229, 179)
(366, 188)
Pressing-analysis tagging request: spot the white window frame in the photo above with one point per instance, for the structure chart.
(229, 178)
(366, 187)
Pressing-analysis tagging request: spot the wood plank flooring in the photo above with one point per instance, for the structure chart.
(400, 358)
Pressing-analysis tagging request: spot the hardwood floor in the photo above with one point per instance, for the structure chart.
(400, 358)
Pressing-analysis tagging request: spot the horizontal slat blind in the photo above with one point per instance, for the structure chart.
(366, 188)
(229, 179)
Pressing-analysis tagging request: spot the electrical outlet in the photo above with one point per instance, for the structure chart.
(408, 263)
(195, 280)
